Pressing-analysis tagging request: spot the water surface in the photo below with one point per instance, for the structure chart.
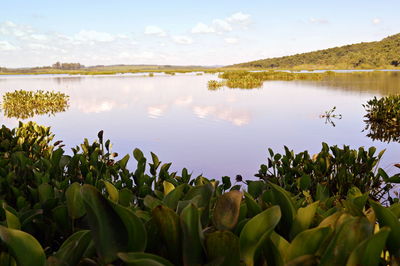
(215, 133)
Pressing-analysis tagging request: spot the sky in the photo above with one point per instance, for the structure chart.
(178, 32)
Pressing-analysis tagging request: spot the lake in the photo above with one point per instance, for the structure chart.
(214, 133)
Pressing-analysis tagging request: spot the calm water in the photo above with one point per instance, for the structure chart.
(224, 132)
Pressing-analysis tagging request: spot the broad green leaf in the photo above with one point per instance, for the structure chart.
(307, 242)
(172, 198)
(387, 218)
(168, 225)
(322, 192)
(369, 251)
(151, 202)
(113, 193)
(192, 243)
(303, 219)
(137, 236)
(25, 249)
(252, 207)
(227, 209)
(108, 229)
(125, 197)
(46, 192)
(224, 247)
(71, 251)
(141, 258)
(256, 231)
(12, 220)
(76, 208)
(351, 232)
(168, 187)
(288, 209)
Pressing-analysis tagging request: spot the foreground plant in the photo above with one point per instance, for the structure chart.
(89, 209)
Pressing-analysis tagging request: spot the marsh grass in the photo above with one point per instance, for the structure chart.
(23, 104)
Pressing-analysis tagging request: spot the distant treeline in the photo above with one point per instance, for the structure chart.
(67, 66)
(381, 54)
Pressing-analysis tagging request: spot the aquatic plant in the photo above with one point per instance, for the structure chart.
(89, 209)
(383, 118)
(329, 115)
(215, 84)
(24, 104)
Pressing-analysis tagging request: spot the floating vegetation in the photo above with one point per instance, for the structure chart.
(251, 80)
(215, 84)
(23, 104)
(329, 115)
(151, 74)
(383, 118)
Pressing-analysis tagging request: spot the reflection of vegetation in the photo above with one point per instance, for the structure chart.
(383, 118)
(382, 54)
(24, 104)
(89, 209)
(329, 115)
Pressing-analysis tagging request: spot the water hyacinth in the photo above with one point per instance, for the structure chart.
(23, 104)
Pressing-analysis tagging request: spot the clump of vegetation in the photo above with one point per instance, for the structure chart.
(151, 74)
(215, 84)
(24, 104)
(89, 209)
(383, 118)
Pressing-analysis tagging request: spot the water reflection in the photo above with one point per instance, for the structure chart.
(26, 104)
(382, 132)
(222, 132)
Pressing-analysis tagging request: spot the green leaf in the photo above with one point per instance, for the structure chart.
(125, 197)
(252, 207)
(303, 219)
(192, 247)
(46, 192)
(168, 187)
(172, 198)
(141, 258)
(322, 192)
(112, 191)
(12, 220)
(25, 249)
(124, 161)
(387, 218)
(307, 242)
(351, 232)
(256, 231)
(227, 209)
(108, 230)
(369, 251)
(138, 154)
(288, 209)
(223, 246)
(76, 208)
(71, 251)
(168, 225)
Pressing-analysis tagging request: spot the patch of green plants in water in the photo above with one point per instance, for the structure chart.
(330, 115)
(23, 104)
(383, 118)
(88, 208)
(215, 84)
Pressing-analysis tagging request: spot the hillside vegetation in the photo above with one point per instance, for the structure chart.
(380, 54)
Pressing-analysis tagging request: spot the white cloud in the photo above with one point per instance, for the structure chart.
(182, 101)
(221, 25)
(318, 21)
(240, 18)
(231, 40)
(376, 21)
(6, 46)
(154, 30)
(94, 36)
(236, 117)
(202, 28)
(182, 39)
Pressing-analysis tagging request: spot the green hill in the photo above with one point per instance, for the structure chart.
(380, 54)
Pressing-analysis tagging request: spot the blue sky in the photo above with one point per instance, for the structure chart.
(204, 32)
